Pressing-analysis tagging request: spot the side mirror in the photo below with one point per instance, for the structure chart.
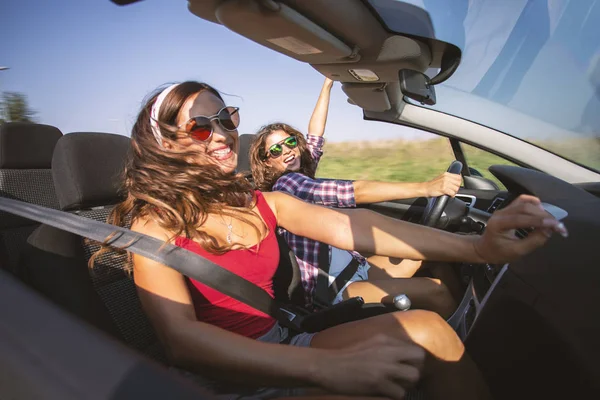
(474, 172)
(416, 85)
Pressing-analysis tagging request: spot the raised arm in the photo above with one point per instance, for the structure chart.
(318, 119)
(370, 232)
(219, 354)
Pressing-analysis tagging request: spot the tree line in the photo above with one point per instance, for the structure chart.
(14, 107)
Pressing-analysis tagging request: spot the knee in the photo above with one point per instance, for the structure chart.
(433, 333)
(439, 295)
(437, 289)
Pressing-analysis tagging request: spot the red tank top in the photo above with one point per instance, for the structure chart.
(255, 266)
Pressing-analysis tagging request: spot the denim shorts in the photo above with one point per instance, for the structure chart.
(280, 334)
(338, 261)
(277, 334)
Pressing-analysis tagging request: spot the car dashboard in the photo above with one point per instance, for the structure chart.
(532, 321)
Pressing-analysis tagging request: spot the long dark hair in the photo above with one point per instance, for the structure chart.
(265, 176)
(170, 186)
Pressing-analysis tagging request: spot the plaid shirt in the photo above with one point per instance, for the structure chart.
(330, 193)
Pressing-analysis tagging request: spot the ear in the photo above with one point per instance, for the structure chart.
(167, 145)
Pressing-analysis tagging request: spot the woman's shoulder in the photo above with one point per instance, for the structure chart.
(149, 226)
(267, 205)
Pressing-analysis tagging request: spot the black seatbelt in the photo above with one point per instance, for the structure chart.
(184, 261)
(344, 277)
(325, 293)
(322, 287)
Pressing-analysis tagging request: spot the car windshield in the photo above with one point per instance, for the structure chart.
(530, 69)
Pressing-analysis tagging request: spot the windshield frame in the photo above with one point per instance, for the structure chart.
(573, 175)
(417, 104)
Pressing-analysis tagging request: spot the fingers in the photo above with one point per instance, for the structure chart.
(525, 198)
(402, 351)
(499, 242)
(450, 183)
(411, 354)
(534, 240)
(527, 212)
(522, 220)
(380, 366)
(391, 390)
(407, 375)
(524, 203)
(396, 379)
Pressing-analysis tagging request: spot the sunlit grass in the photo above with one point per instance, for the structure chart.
(418, 161)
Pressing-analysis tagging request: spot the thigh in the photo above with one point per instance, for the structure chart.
(375, 291)
(424, 293)
(386, 267)
(350, 333)
(425, 328)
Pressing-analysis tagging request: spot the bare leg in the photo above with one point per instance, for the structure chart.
(385, 267)
(449, 372)
(424, 293)
(446, 274)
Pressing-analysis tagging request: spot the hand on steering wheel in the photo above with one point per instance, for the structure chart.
(436, 205)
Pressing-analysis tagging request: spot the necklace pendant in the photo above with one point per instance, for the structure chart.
(228, 238)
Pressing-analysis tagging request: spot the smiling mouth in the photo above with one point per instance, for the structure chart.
(289, 159)
(222, 154)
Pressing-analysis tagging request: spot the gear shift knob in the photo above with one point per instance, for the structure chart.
(402, 302)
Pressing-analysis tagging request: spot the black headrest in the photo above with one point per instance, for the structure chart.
(244, 154)
(87, 167)
(25, 145)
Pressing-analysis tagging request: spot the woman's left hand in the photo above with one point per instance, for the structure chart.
(499, 244)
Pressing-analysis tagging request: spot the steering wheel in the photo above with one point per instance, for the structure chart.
(436, 205)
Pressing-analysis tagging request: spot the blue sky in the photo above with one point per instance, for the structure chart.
(87, 65)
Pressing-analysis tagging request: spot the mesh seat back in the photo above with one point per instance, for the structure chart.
(25, 175)
(112, 278)
(86, 170)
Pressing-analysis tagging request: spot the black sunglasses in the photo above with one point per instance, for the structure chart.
(201, 128)
(276, 149)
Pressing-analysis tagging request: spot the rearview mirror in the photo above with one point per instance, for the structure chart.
(415, 85)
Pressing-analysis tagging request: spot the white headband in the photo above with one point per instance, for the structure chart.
(155, 110)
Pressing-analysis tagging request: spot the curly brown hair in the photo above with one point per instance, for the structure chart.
(170, 186)
(264, 176)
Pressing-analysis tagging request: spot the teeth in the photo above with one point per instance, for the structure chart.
(289, 159)
(223, 152)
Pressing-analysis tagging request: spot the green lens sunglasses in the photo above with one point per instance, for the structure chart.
(276, 150)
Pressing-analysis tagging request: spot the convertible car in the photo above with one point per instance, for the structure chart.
(520, 82)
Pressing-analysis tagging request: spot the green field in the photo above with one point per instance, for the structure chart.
(417, 161)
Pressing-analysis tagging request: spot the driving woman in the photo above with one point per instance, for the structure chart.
(282, 159)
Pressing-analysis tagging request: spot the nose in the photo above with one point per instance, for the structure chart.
(286, 150)
(222, 135)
